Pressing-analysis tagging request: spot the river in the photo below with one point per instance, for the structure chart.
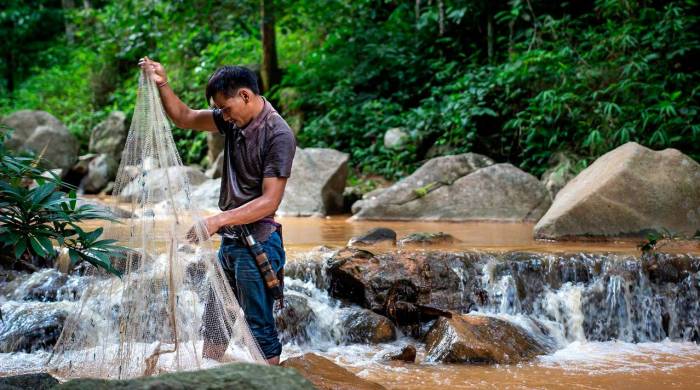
(628, 352)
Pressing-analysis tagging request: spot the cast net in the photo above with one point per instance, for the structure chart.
(173, 308)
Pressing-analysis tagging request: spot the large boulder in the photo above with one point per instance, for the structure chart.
(316, 184)
(231, 376)
(479, 339)
(628, 191)
(40, 132)
(109, 136)
(460, 188)
(156, 182)
(326, 375)
(560, 173)
(405, 286)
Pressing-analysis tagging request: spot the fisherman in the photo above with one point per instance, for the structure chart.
(258, 154)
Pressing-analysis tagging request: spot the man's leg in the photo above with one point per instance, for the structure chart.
(256, 300)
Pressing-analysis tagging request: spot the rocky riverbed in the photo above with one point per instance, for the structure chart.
(359, 306)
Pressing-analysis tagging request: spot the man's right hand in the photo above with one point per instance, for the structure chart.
(154, 69)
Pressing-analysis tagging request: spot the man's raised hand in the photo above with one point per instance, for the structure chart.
(154, 69)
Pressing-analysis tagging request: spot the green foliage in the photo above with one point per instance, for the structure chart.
(551, 77)
(32, 219)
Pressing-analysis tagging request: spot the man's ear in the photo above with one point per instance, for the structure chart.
(245, 94)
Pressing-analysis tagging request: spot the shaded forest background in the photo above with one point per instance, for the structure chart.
(528, 82)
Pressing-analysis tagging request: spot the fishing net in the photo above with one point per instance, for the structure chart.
(173, 308)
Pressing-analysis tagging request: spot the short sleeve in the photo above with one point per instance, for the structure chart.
(280, 154)
(221, 124)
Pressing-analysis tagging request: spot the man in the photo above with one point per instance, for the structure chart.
(258, 154)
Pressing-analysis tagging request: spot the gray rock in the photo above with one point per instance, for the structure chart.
(109, 136)
(215, 170)
(455, 189)
(113, 211)
(32, 326)
(40, 132)
(435, 173)
(479, 339)
(101, 170)
(155, 183)
(215, 147)
(231, 376)
(316, 184)
(395, 138)
(556, 177)
(374, 236)
(628, 191)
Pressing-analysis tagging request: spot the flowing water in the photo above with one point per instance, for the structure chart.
(612, 320)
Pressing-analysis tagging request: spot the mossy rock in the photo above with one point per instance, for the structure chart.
(232, 376)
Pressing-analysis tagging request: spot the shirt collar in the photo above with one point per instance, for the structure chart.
(256, 122)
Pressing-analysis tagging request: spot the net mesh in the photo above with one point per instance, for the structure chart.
(173, 308)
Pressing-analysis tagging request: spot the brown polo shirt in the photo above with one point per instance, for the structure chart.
(263, 148)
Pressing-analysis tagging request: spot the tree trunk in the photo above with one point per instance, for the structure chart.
(68, 5)
(270, 69)
(489, 31)
(9, 74)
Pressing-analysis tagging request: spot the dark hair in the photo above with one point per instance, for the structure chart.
(229, 79)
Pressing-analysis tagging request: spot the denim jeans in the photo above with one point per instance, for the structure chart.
(248, 285)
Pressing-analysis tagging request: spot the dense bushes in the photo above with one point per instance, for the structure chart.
(520, 82)
(35, 216)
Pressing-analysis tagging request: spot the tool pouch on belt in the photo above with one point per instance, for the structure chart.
(273, 281)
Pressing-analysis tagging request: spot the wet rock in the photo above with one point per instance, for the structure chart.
(316, 184)
(479, 339)
(326, 375)
(230, 376)
(293, 320)
(155, 182)
(109, 136)
(101, 170)
(39, 131)
(628, 191)
(40, 381)
(395, 138)
(393, 283)
(32, 326)
(376, 236)
(407, 354)
(460, 188)
(427, 239)
(366, 326)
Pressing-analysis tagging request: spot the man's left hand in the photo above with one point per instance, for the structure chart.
(202, 230)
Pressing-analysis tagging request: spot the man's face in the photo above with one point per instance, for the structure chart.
(234, 109)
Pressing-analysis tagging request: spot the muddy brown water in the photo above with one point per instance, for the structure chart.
(587, 365)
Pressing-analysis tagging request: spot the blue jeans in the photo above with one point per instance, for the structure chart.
(248, 285)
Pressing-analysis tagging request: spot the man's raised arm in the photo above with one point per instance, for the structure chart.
(178, 112)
